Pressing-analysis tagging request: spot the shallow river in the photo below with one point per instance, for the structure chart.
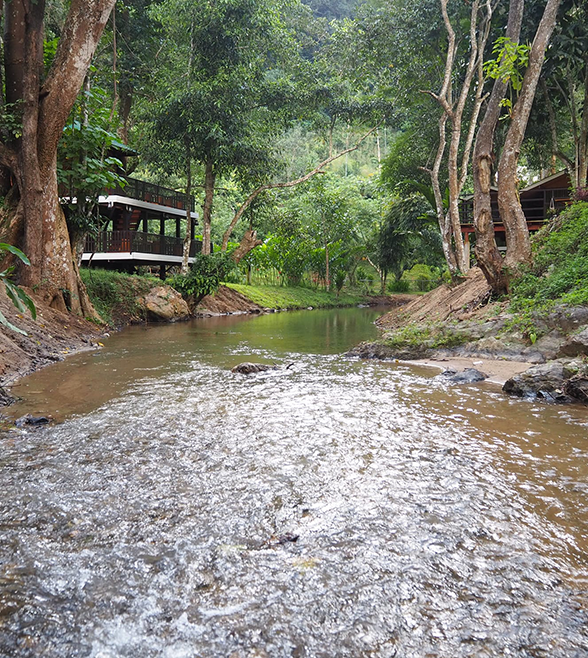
(334, 508)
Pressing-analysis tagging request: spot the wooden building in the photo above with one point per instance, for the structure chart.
(144, 227)
(538, 200)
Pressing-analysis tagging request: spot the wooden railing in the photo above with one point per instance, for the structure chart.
(536, 205)
(151, 193)
(146, 243)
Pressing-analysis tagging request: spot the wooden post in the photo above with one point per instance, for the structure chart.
(162, 272)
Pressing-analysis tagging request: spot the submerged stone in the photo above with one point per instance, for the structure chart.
(250, 368)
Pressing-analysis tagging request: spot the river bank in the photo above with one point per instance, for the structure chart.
(123, 300)
(459, 326)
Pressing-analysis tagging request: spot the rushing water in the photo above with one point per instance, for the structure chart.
(159, 518)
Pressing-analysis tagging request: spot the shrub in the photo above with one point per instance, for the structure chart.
(560, 263)
(205, 276)
(399, 286)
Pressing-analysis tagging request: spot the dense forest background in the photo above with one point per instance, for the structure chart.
(324, 141)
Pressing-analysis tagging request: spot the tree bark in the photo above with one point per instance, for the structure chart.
(456, 254)
(248, 243)
(45, 110)
(188, 235)
(515, 225)
(209, 181)
(488, 257)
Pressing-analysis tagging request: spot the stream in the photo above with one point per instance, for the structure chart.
(335, 508)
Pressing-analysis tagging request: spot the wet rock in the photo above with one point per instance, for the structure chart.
(576, 345)
(577, 387)
(5, 398)
(164, 304)
(280, 540)
(32, 420)
(545, 381)
(250, 368)
(383, 352)
(467, 376)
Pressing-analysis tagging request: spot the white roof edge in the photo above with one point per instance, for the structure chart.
(129, 201)
(133, 255)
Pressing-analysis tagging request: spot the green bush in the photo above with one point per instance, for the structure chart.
(205, 276)
(114, 294)
(560, 263)
(399, 286)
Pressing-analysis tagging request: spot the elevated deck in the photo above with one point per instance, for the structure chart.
(132, 211)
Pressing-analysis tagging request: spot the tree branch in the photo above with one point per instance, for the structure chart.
(292, 183)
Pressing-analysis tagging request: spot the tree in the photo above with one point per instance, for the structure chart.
(565, 91)
(453, 107)
(488, 257)
(226, 111)
(38, 108)
(515, 224)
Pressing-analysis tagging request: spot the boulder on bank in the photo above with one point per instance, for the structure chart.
(467, 376)
(542, 381)
(576, 345)
(164, 304)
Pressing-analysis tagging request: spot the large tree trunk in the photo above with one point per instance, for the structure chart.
(515, 224)
(209, 181)
(488, 257)
(45, 110)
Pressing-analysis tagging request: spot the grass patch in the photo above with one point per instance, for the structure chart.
(279, 297)
(559, 273)
(560, 263)
(430, 336)
(114, 294)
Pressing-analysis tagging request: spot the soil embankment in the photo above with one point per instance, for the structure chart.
(50, 337)
(456, 327)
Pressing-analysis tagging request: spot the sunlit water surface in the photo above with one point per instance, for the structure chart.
(158, 518)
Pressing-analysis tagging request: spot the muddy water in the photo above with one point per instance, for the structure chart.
(336, 508)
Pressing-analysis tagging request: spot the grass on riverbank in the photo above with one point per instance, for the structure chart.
(278, 297)
(560, 263)
(114, 294)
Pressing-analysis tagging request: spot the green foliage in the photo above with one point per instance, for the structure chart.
(408, 235)
(280, 297)
(11, 120)
(84, 167)
(511, 60)
(114, 294)
(560, 264)
(17, 295)
(508, 66)
(205, 276)
(426, 336)
(399, 286)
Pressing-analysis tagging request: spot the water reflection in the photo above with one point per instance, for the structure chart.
(431, 520)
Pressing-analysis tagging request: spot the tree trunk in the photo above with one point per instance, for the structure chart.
(488, 257)
(515, 224)
(327, 272)
(45, 110)
(209, 181)
(188, 235)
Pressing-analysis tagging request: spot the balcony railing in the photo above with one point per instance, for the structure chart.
(135, 241)
(151, 193)
(536, 205)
